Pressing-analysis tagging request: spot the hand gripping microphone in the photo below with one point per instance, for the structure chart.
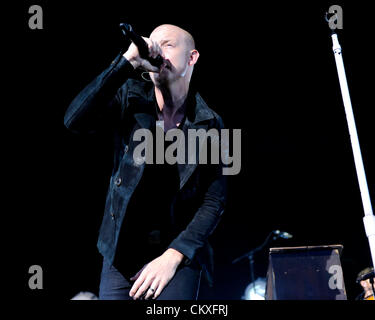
(141, 44)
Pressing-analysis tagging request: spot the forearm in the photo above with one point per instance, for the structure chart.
(204, 222)
(196, 234)
(93, 103)
(208, 215)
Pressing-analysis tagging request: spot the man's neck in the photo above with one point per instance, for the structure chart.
(171, 100)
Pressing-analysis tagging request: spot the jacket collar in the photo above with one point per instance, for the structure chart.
(196, 115)
(144, 93)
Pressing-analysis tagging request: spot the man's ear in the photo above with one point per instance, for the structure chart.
(194, 55)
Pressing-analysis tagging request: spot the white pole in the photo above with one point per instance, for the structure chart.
(369, 218)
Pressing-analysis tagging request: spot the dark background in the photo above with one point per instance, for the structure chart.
(267, 69)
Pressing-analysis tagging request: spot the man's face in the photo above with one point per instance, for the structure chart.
(366, 284)
(176, 53)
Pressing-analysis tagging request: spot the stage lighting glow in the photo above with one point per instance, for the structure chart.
(255, 290)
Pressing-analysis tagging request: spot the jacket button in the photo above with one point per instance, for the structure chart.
(113, 216)
(118, 181)
(126, 149)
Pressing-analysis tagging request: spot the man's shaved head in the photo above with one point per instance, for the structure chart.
(177, 47)
(187, 37)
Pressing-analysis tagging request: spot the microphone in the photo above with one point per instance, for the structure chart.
(282, 234)
(141, 44)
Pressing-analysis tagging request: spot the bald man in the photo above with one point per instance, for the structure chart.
(171, 82)
(158, 217)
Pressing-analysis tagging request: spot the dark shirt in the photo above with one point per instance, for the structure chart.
(147, 229)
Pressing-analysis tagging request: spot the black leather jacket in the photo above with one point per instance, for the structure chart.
(127, 105)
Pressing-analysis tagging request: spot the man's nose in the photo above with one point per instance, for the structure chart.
(168, 62)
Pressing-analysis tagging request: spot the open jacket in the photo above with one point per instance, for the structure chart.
(126, 104)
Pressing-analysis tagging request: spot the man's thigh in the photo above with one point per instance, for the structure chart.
(113, 285)
(183, 286)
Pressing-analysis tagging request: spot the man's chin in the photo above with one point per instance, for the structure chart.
(161, 79)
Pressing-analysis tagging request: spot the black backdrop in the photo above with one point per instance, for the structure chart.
(267, 69)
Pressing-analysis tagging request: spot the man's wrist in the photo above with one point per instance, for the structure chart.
(175, 255)
(131, 60)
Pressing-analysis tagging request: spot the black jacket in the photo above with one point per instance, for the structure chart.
(127, 105)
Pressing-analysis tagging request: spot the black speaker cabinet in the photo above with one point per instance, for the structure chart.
(305, 273)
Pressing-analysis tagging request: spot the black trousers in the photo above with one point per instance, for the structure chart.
(183, 286)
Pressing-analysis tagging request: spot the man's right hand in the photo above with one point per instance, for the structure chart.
(132, 55)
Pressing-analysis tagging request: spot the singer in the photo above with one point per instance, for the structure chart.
(157, 217)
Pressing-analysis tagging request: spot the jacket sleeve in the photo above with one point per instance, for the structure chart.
(206, 218)
(100, 100)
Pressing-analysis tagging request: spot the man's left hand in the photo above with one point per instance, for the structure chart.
(155, 275)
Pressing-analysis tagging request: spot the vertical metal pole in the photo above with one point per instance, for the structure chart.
(369, 218)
